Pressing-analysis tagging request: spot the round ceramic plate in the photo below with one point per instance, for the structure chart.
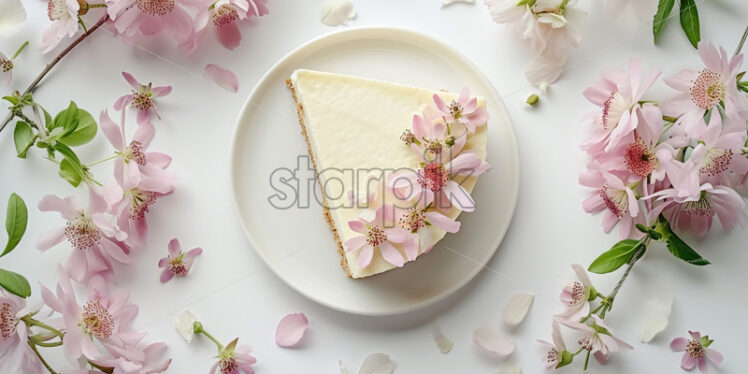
(296, 242)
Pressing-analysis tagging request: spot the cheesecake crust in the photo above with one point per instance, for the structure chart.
(325, 208)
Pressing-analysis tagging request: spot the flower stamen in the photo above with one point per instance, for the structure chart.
(375, 236)
(615, 200)
(707, 90)
(81, 232)
(224, 15)
(433, 176)
(8, 321)
(640, 159)
(156, 7)
(97, 321)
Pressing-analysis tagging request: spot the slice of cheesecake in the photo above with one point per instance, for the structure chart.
(353, 126)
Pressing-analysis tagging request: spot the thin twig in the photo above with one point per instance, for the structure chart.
(742, 41)
(633, 261)
(54, 62)
(41, 359)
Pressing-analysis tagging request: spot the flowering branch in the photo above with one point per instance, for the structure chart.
(52, 64)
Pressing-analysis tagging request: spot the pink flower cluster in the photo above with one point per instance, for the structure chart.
(105, 234)
(685, 158)
(437, 137)
(97, 332)
(187, 21)
(594, 337)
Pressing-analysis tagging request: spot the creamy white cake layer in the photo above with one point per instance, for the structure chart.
(354, 124)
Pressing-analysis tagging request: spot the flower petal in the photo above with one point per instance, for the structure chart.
(291, 329)
(337, 12)
(377, 363)
(442, 341)
(222, 77)
(516, 308)
(12, 17)
(679, 344)
(184, 325)
(493, 341)
(655, 315)
(365, 256)
(544, 68)
(390, 254)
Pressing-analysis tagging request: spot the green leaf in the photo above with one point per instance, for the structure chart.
(67, 119)
(11, 99)
(743, 86)
(15, 283)
(16, 218)
(22, 135)
(67, 152)
(70, 173)
(84, 132)
(660, 18)
(620, 254)
(689, 21)
(676, 245)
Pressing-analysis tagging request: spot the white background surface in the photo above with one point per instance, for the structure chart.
(234, 294)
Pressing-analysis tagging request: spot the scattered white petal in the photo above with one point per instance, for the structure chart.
(222, 77)
(442, 341)
(377, 363)
(291, 329)
(343, 369)
(446, 3)
(655, 315)
(509, 368)
(493, 341)
(12, 17)
(516, 308)
(337, 12)
(543, 86)
(185, 325)
(544, 69)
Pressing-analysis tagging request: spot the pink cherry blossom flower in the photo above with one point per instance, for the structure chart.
(128, 355)
(177, 262)
(697, 213)
(133, 154)
(94, 235)
(234, 360)
(463, 110)
(435, 182)
(149, 17)
(432, 140)
(575, 296)
(64, 17)
(723, 147)
(6, 69)
(700, 91)
(420, 222)
(224, 16)
(696, 351)
(597, 338)
(141, 98)
(617, 95)
(554, 351)
(614, 198)
(105, 317)
(15, 355)
(377, 235)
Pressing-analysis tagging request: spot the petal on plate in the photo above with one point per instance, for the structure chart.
(442, 341)
(222, 77)
(12, 17)
(291, 330)
(509, 368)
(516, 308)
(493, 341)
(337, 12)
(655, 315)
(377, 363)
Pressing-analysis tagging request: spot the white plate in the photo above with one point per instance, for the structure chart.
(297, 244)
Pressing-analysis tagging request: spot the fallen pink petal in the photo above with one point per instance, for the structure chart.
(291, 329)
(222, 77)
(494, 342)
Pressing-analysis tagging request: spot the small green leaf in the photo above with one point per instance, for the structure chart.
(22, 135)
(15, 283)
(84, 132)
(620, 254)
(11, 99)
(67, 119)
(15, 222)
(67, 152)
(689, 21)
(676, 245)
(660, 18)
(743, 86)
(565, 359)
(70, 173)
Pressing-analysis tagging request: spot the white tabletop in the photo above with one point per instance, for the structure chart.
(234, 293)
